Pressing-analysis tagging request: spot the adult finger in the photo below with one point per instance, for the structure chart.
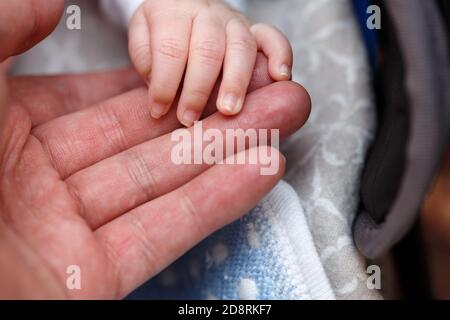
(24, 23)
(150, 170)
(49, 97)
(144, 241)
(78, 140)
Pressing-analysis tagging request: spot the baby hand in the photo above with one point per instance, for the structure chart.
(194, 41)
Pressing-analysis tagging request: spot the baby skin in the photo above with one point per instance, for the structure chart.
(184, 47)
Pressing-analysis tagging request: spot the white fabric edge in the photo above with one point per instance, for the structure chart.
(289, 218)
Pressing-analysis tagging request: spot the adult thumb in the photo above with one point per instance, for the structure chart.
(26, 22)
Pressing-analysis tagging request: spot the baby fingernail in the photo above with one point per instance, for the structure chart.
(231, 104)
(285, 71)
(157, 111)
(189, 117)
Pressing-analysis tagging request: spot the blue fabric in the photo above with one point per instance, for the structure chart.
(267, 254)
(222, 281)
(370, 36)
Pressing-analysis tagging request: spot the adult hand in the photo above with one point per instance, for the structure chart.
(90, 182)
